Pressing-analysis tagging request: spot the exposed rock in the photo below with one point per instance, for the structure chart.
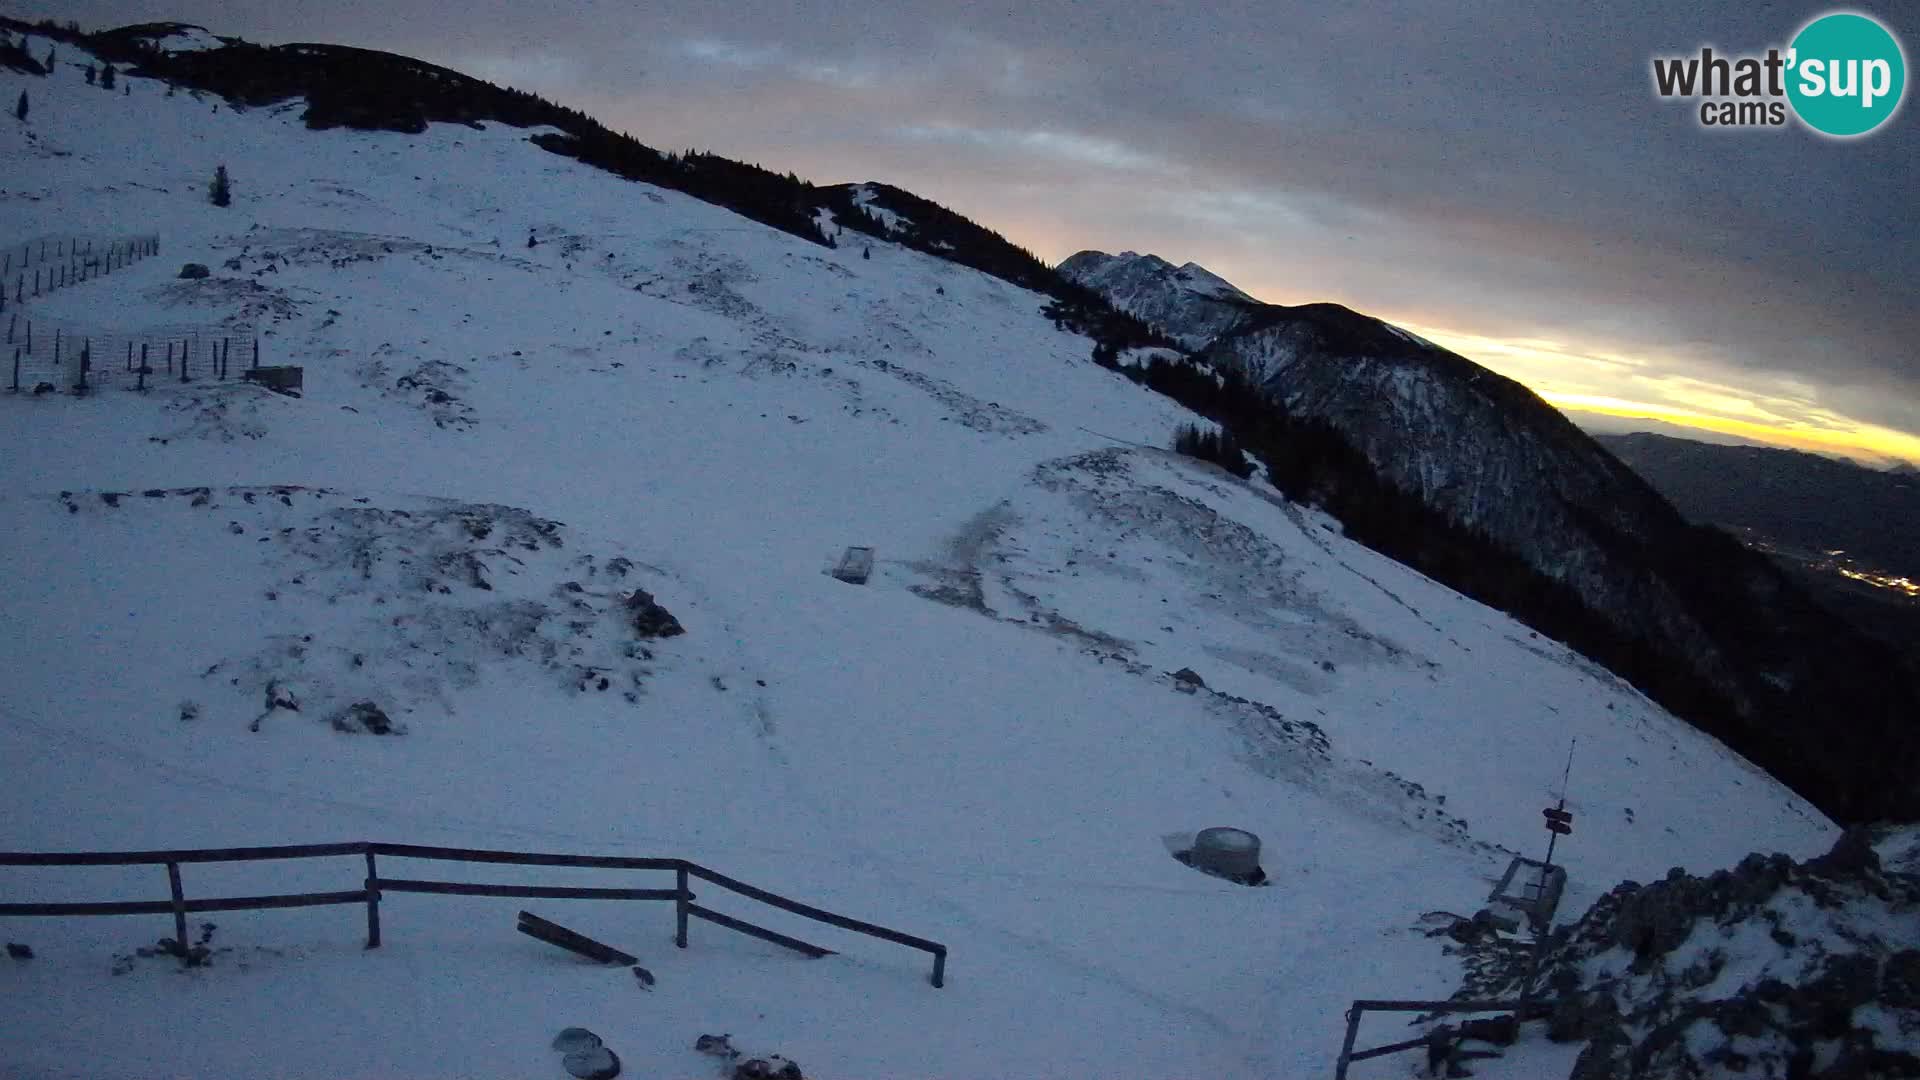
(1189, 680)
(649, 619)
(19, 951)
(195, 270)
(364, 716)
(598, 1063)
(576, 1039)
(772, 1067)
(1578, 1017)
(1712, 982)
(278, 696)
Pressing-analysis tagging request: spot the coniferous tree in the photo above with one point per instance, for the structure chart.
(49, 63)
(20, 110)
(92, 76)
(220, 193)
(106, 77)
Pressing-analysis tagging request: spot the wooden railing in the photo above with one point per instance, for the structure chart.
(374, 886)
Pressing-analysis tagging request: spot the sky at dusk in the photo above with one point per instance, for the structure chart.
(1497, 177)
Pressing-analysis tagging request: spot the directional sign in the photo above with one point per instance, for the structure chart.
(1560, 827)
(1562, 816)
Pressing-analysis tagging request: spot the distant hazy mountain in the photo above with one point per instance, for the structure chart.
(1804, 500)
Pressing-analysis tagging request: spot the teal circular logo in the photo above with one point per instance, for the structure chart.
(1846, 74)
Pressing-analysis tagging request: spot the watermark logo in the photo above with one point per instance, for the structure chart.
(1844, 74)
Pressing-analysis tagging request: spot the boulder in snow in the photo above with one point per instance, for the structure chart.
(649, 619)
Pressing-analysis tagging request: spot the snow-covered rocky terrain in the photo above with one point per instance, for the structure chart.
(1190, 304)
(498, 444)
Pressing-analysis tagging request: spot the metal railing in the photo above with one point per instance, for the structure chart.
(1348, 1055)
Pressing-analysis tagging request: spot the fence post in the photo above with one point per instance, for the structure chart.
(129, 357)
(256, 351)
(185, 350)
(16, 369)
(680, 907)
(1346, 1049)
(56, 346)
(373, 904)
(169, 357)
(940, 969)
(179, 909)
(141, 383)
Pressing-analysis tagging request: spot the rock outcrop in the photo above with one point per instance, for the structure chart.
(1773, 968)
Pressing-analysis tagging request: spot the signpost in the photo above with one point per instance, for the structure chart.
(1559, 819)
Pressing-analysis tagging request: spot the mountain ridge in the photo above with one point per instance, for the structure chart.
(1718, 633)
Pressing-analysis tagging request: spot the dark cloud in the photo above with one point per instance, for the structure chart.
(1504, 170)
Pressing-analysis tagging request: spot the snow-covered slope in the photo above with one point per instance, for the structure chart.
(1511, 487)
(1190, 304)
(983, 745)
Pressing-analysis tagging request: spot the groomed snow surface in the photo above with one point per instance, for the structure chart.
(982, 746)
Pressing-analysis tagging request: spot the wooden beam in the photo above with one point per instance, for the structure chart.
(521, 858)
(552, 892)
(554, 934)
(761, 932)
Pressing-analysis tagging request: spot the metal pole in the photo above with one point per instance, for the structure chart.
(940, 969)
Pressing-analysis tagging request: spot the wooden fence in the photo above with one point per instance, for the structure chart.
(373, 886)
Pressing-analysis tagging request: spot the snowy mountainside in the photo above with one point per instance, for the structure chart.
(1190, 304)
(1505, 480)
(983, 745)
